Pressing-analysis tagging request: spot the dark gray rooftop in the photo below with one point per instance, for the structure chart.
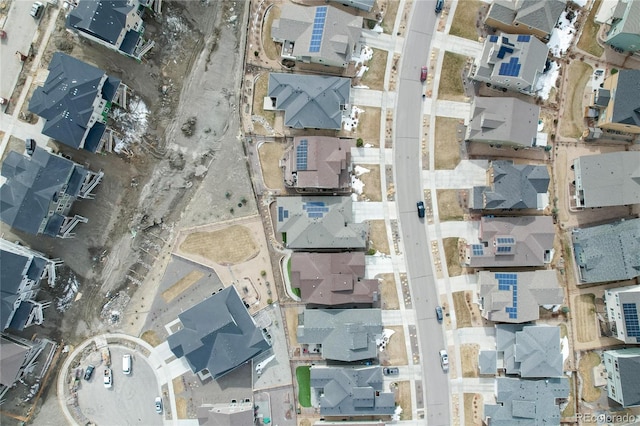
(349, 391)
(345, 334)
(358, 4)
(33, 185)
(310, 101)
(12, 356)
(609, 252)
(320, 223)
(66, 101)
(626, 100)
(623, 367)
(103, 19)
(541, 15)
(503, 121)
(526, 402)
(218, 334)
(515, 186)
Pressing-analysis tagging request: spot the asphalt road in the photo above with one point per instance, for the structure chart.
(407, 145)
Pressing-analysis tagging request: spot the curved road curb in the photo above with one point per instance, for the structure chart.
(153, 359)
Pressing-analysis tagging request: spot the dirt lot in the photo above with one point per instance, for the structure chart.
(371, 180)
(473, 408)
(227, 246)
(451, 254)
(291, 317)
(585, 369)
(464, 20)
(447, 147)
(584, 317)
(572, 122)
(378, 236)
(270, 155)
(388, 291)
(469, 359)
(449, 207)
(461, 306)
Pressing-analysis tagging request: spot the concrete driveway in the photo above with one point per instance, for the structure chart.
(130, 401)
(21, 29)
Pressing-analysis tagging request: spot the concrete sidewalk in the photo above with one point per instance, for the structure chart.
(458, 45)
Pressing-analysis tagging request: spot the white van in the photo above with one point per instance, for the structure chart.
(126, 364)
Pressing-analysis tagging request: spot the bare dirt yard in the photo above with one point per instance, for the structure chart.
(371, 181)
(585, 317)
(461, 306)
(473, 403)
(469, 359)
(449, 204)
(452, 255)
(378, 236)
(464, 20)
(403, 399)
(588, 360)
(447, 146)
(388, 291)
(368, 126)
(227, 246)
(451, 88)
(572, 121)
(396, 351)
(270, 155)
(373, 78)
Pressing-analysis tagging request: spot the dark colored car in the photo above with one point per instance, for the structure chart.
(391, 371)
(439, 5)
(439, 313)
(423, 74)
(88, 372)
(420, 209)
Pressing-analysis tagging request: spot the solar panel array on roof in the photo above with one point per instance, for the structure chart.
(478, 249)
(503, 50)
(512, 68)
(524, 38)
(282, 214)
(506, 240)
(493, 38)
(315, 209)
(301, 155)
(508, 282)
(318, 29)
(504, 249)
(631, 319)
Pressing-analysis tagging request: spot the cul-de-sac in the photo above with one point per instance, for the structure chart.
(319, 212)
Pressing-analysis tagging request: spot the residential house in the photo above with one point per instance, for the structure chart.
(217, 335)
(528, 351)
(239, 413)
(340, 334)
(527, 402)
(332, 278)
(623, 305)
(611, 179)
(309, 101)
(115, 24)
(512, 186)
(624, 25)
(516, 297)
(351, 391)
(75, 102)
(503, 122)
(366, 5)
(319, 34)
(623, 380)
(21, 274)
(318, 163)
(512, 241)
(40, 191)
(18, 357)
(618, 102)
(511, 62)
(609, 252)
(533, 17)
(311, 223)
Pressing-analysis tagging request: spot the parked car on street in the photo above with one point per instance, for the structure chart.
(444, 360)
(420, 206)
(439, 313)
(158, 405)
(108, 378)
(36, 10)
(423, 74)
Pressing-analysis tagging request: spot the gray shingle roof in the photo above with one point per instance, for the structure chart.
(351, 391)
(340, 33)
(318, 162)
(320, 223)
(503, 121)
(103, 19)
(529, 351)
(611, 179)
(625, 32)
(332, 278)
(622, 367)
(515, 186)
(531, 244)
(12, 356)
(609, 252)
(33, 185)
(526, 402)
(218, 334)
(66, 101)
(488, 362)
(502, 11)
(519, 302)
(626, 100)
(345, 334)
(541, 15)
(358, 4)
(310, 101)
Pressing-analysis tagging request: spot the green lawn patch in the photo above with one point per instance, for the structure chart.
(303, 375)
